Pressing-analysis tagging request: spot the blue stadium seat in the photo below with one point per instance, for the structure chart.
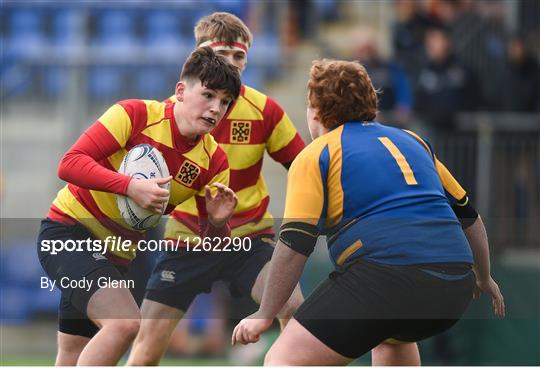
(156, 82)
(68, 34)
(236, 7)
(20, 276)
(25, 42)
(163, 38)
(167, 49)
(15, 304)
(67, 41)
(26, 39)
(105, 82)
(115, 35)
(266, 53)
(253, 76)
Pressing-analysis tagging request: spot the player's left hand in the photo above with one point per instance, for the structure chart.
(490, 287)
(220, 206)
(249, 329)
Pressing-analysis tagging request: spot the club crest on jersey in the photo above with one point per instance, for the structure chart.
(189, 172)
(240, 131)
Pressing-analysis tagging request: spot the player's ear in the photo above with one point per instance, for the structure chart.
(179, 91)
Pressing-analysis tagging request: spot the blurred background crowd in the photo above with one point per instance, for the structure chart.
(463, 73)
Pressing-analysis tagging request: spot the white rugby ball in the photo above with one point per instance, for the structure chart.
(142, 162)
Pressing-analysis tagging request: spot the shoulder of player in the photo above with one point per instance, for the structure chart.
(312, 152)
(259, 100)
(419, 139)
(134, 106)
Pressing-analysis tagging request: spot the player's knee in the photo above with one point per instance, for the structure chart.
(144, 357)
(126, 329)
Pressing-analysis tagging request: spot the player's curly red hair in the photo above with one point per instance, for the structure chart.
(341, 91)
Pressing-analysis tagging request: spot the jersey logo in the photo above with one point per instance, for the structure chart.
(189, 172)
(240, 132)
(99, 257)
(168, 276)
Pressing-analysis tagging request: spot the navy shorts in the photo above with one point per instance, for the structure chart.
(363, 304)
(179, 276)
(66, 266)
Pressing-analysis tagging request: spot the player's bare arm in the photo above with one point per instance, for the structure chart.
(477, 237)
(285, 270)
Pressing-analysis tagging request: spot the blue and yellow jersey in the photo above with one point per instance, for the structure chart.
(378, 193)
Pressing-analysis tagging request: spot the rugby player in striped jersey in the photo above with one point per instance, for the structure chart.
(253, 125)
(97, 324)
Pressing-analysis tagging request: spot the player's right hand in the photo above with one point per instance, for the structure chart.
(148, 194)
(249, 329)
(490, 286)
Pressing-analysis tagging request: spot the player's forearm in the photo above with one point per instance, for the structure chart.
(477, 237)
(285, 270)
(83, 171)
(80, 165)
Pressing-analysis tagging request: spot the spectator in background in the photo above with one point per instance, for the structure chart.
(408, 34)
(478, 33)
(388, 77)
(444, 86)
(521, 92)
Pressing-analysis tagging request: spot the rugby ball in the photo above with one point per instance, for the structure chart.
(142, 162)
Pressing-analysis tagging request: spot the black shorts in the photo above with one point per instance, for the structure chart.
(363, 304)
(74, 266)
(179, 276)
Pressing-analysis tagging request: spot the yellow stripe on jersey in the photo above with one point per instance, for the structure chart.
(282, 135)
(161, 133)
(106, 203)
(249, 198)
(243, 110)
(222, 177)
(266, 222)
(242, 157)
(255, 97)
(117, 122)
(189, 206)
(419, 140)
(335, 190)
(348, 251)
(201, 154)
(178, 196)
(305, 194)
(210, 144)
(67, 203)
(175, 229)
(400, 160)
(116, 158)
(449, 183)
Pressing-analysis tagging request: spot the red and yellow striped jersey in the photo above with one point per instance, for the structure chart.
(90, 168)
(253, 125)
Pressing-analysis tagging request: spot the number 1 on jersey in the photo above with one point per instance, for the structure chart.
(400, 160)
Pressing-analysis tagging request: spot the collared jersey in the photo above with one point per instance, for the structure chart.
(378, 193)
(123, 126)
(253, 125)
